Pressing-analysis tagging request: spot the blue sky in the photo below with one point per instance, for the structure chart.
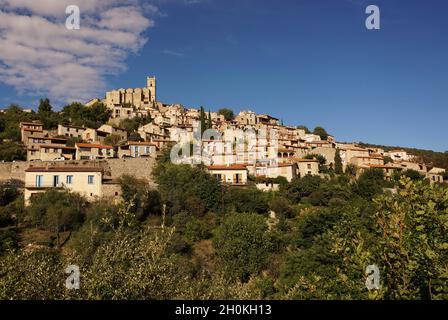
(306, 62)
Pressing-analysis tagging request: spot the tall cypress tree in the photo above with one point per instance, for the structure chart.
(210, 124)
(338, 162)
(202, 120)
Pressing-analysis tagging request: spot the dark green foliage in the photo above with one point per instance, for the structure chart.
(134, 136)
(12, 151)
(227, 113)
(9, 240)
(132, 125)
(7, 195)
(321, 133)
(330, 194)
(209, 121)
(186, 188)
(141, 200)
(243, 245)
(302, 187)
(338, 163)
(304, 128)
(370, 183)
(78, 114)
(46, 115)
(246, 199)
(414, 175)
(281, 206)
(202, 120)
(56, 210)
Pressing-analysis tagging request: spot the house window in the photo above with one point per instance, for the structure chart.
(90, 179)
(39, 180)
(309, 166)
(55, 181)
(69, 180)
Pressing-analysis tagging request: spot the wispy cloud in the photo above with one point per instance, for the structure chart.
(39, 56)
(173, 53)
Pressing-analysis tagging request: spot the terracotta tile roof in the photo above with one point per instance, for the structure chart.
(63, 169)
(88, 145)
(139, 143)
(305, 160)
(230, 167)
(56, 146)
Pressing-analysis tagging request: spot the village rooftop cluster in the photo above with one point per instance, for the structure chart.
(292, 153)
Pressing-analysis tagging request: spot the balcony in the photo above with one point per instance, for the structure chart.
(44, 186)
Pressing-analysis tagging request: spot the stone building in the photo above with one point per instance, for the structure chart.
(140, 98)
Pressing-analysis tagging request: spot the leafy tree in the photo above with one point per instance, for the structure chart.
(140, 199)
(281, 206)
(445, 176)
(330, 193)
(72, 141)
(46, 281)
(10, 121)
(338, 162)
(243, 245)
(248, 199)
(387, 160)
(10, 151)
(186, 188)
(9, 241)
(134, 136)
(113, 140)
(412, 174)
(7, 195)
(302, 187)
(321, 133)
(227, 113)
(370, 183)
(305, 128)
(409, 247)
(80, 115)
(56, 210)
(47, 116)
(131, 125)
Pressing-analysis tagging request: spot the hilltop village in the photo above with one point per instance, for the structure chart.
(99, 156)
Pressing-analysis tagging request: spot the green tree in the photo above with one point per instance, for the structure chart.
(209, 121)
(243, 245)
(56, 210)
(202, 120)
(10, 151)
(370, 183)
(321, 133)
(134, 136)
(227, 113)
(302, 187)
(113, 140)
(186, 188)
(47, 116)
(248, 199)
(338, 162)
(304, 128)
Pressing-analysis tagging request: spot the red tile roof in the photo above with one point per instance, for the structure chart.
(63, 169)
(230, 167)
(88, 145)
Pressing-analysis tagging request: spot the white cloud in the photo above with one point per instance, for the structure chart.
(39, 56)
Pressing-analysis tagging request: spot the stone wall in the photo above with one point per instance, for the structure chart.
(13, 171)
(113, 168)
